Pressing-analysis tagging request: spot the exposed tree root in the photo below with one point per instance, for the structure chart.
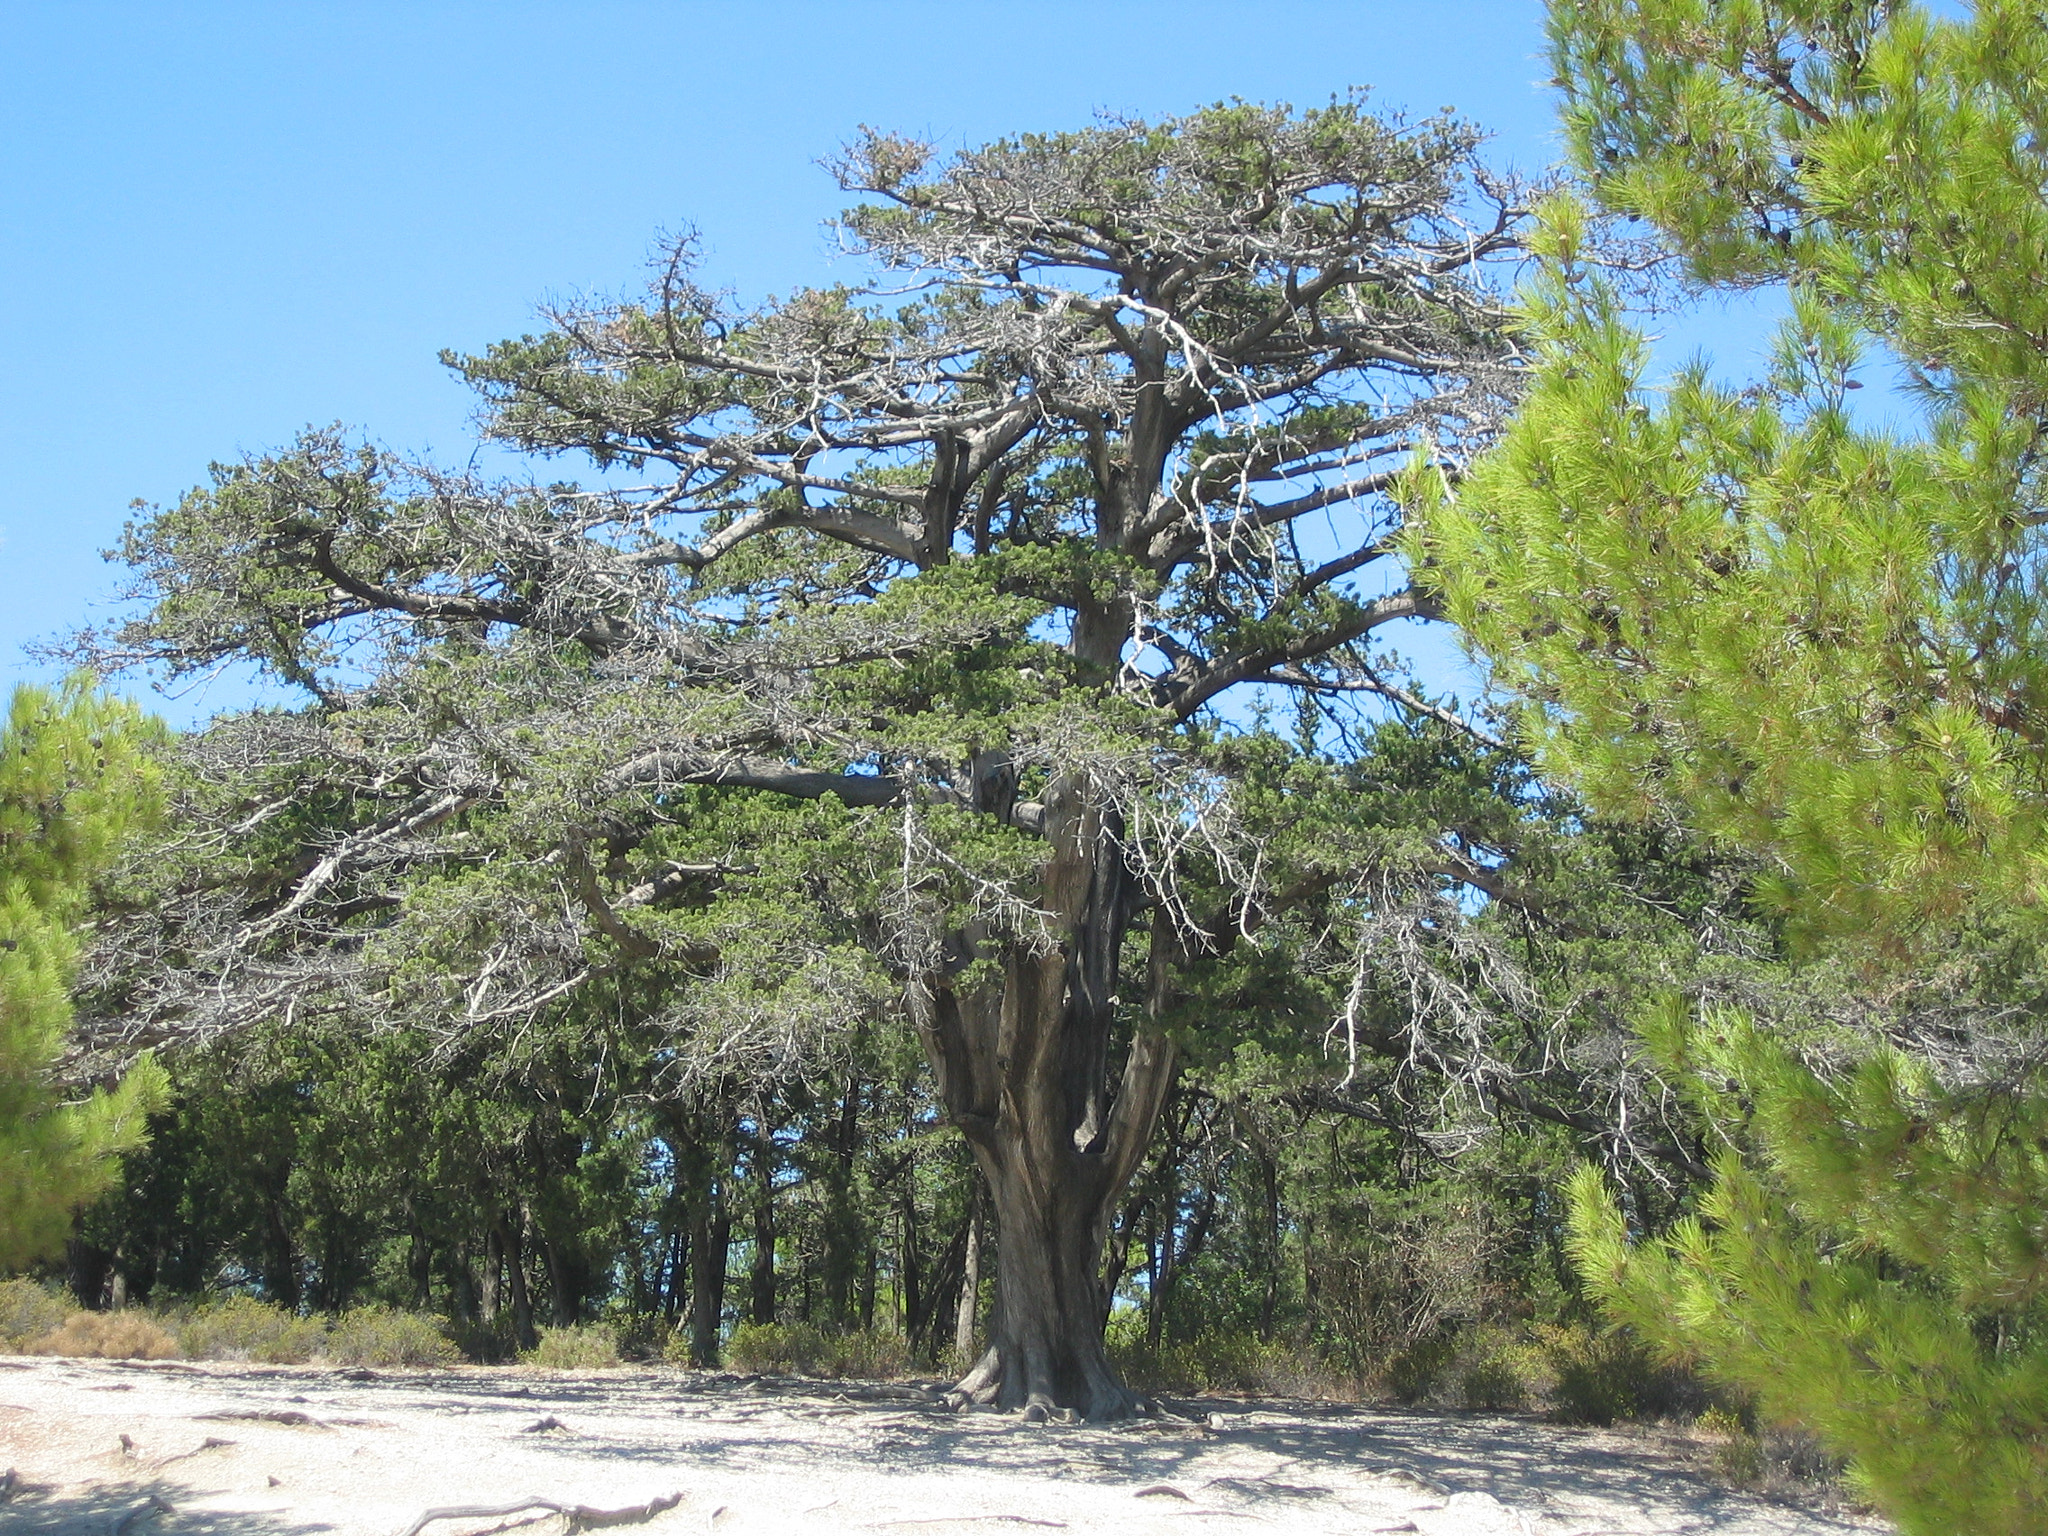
(287, 1416)
(581, 1517)
(1004, 1378)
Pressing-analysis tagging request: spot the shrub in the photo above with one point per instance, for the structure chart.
(1497, 1371)
(29, 1311)
(589, 1346)
(483, 1343)
(243, 1328)
(870, 1354)
(1413, 1374)
(1600, 1376)
(382, 1336)
(801, 1349)
(122, 1335)
(1238, 1364)
(1740, 1455)
(646, 1336)
(796, 1348)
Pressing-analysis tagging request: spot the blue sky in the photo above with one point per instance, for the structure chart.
(220, 223)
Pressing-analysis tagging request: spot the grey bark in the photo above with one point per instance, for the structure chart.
(966, 1318)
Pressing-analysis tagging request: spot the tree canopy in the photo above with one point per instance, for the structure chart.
(884, 666)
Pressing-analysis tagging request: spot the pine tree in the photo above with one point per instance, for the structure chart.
(74, 780)
(1822, 646)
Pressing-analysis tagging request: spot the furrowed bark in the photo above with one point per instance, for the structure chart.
(1022, 1068)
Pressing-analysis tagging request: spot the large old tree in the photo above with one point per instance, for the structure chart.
(896, 629)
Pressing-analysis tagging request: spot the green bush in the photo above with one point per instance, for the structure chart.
(1413, 1375)
(1497, 1370)
(243, 1328)
(1234, 1364)
(795, 1348)
(1600, 1375)
(483, 1343)
(586, 1347)
(801, 1349)
(645, 1336)
(28, 1311)
(868, 1354)
(382, 1336)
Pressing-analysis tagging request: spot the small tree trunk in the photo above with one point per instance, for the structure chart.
(966, 1316)
(909, 1265)
(842, 1221)
(463, 1300)
(493, 1299)
(514, 1241)
(565, 1301)
(419, 1259)
(710, 1236)
(761, 1287)
(675, 1275)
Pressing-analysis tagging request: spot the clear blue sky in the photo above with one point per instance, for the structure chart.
(219, 223)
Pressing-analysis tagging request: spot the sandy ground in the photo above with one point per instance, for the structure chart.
(128, 1449)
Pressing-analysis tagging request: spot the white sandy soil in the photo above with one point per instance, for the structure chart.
(107, 1448)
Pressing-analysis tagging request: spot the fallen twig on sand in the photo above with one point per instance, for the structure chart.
(210, 1443)
(581, 1517)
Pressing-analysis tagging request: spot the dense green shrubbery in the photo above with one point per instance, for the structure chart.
(243, 1328)
(802, 1349)
(588, 1346)
(1231, 1364)
(382, 1336)
(28, 1311)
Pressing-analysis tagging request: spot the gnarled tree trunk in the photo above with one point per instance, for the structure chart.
(1023, 1069)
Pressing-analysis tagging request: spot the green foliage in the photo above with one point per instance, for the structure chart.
(1496, 1372)
(29, 1310)
(1822, 647)
(384, 1336)
(75, 780)
(1820, 643)
(1229, 1365)
(1871, 1272)
(803, 1349)
(1599, 1375)
(1413, 1374)
(585, 1347)
(244, 1328)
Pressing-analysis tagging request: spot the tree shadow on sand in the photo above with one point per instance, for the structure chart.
(1526, 1463)
(133, 1509)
